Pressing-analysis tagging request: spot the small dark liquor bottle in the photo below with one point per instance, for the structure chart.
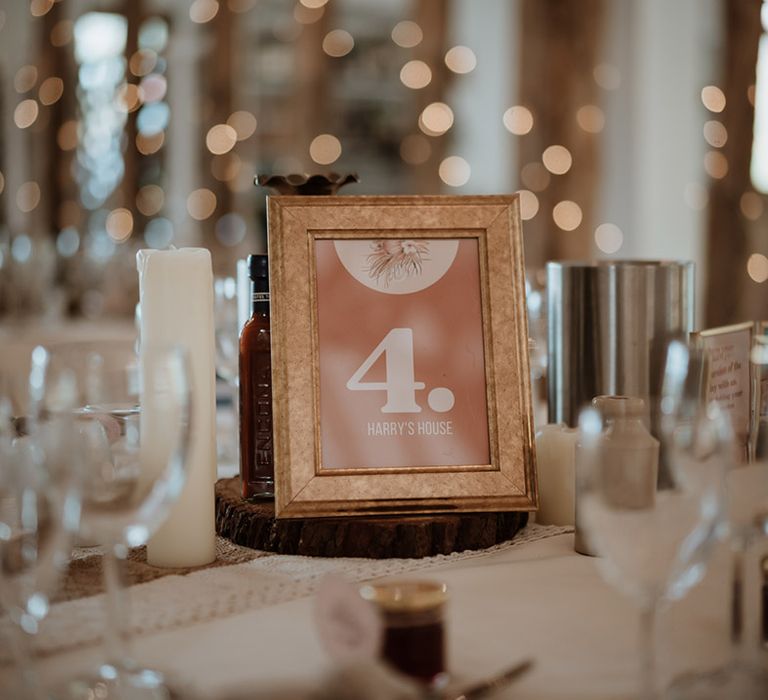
(257, 467)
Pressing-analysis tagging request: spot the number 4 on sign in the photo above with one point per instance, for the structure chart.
(400, 384)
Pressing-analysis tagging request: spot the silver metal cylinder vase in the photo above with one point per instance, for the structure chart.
(608, 325)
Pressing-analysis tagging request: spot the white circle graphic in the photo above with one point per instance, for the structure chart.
(397, 265)
(440, 400)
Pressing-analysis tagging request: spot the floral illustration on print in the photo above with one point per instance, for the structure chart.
(394, 259)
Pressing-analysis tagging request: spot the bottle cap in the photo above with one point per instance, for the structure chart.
(619, 406)
(258, 267)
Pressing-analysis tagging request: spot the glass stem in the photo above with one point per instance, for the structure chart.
(737, 602)
(648, 651)
(746, 633)
(117, 628)
(21, 649)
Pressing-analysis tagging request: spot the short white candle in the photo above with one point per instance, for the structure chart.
(555, 460)
(176, 297)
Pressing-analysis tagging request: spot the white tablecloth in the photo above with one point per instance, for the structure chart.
(538, 600)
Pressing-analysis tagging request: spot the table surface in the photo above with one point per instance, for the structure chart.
(537, 600)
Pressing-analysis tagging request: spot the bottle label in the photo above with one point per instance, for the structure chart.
(260, 297)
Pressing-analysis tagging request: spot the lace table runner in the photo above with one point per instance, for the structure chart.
(241, 579)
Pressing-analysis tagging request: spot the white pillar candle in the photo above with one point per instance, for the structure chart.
(176, 297)
(555, 460)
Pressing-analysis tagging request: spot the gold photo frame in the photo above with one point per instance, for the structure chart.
(362, 285)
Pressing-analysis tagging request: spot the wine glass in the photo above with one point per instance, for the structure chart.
(654, 532)
(39, 508)
(132, 477)
(225, 314)
(744, 676)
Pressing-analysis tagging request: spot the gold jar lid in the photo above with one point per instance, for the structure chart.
(406, 596)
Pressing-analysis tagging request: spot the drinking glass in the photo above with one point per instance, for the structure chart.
(132, 420)
(227, 356)
(744, 676)
(655, 547)
(39, 509)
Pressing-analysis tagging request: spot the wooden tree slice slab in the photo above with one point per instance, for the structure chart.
(381, 537)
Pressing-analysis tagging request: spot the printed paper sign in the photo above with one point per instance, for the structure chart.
(401, 353)
(729, 376)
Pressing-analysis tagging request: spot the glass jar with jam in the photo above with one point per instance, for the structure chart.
(412, 614)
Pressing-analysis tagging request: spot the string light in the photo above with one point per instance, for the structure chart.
(407, 34)
(142, 62)
(557, 159)
(518, 120)
(25, 113)
(713, 98)
(535, 176)
(244, 124)
(38, 8)
(715, 134)
(128, 98)
(152, 88)
(28, 196)
(454, 171)
(21, 248)
(436, 119)
(567, 215)
(119, 224)
(220, 138)
(715, 164)
(305, 15)
(25, 79)
(68, 242)
(415, 75)
(751, 205)
(338, 43)
(529, 205)
(325, 149)
(150, 199)
(149, 144)
(51, 90)
(66, 138)
(591, 119)
(201, 204)
(226, 167)
(231, 229)
(609, 238)
(757, 267)
(461, 59)
(61, 34)
(607, 76)
(242, 177)
(159, 233)
(202, 11)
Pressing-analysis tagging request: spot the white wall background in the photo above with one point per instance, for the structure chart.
(653, 183)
